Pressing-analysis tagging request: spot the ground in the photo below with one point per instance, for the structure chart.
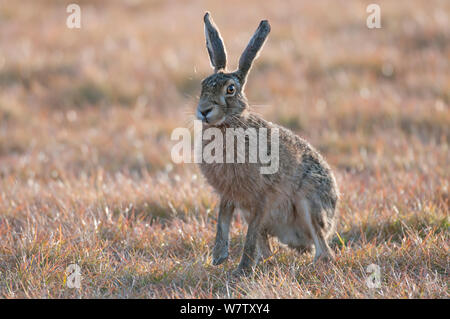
(86, 175)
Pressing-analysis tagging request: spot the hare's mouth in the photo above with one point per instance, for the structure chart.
(219, 122)
(214, 122)
(211, 115)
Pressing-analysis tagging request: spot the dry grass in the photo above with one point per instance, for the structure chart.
(85, 169)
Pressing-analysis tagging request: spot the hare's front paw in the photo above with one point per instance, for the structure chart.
(220, 254)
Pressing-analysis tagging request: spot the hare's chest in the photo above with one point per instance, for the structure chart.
(239, 182)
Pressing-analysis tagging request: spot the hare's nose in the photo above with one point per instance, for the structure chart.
(206, 112)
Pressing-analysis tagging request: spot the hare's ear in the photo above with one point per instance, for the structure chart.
(252, 49)
(214, 44)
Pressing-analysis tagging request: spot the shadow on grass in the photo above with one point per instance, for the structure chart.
(391, 231)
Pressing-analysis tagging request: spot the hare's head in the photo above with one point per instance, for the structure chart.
(222, 95)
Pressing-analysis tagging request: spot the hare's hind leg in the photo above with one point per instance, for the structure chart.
(220, 251)
(315, 225)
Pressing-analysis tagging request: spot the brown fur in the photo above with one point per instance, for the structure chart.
(297, 204)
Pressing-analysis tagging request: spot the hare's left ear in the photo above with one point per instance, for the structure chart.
(214, 44)
(252, 50)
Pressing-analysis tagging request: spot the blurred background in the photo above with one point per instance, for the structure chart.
(86, 114)
(110, 93)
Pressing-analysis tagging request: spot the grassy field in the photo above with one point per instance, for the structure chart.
(86, 175)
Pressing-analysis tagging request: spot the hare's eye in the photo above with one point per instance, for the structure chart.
(231, 89)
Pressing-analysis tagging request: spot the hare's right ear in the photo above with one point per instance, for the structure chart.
(214, 44)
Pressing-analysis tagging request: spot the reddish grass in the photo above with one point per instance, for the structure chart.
(85, 169)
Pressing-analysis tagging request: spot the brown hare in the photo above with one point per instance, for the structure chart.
(297, 203)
